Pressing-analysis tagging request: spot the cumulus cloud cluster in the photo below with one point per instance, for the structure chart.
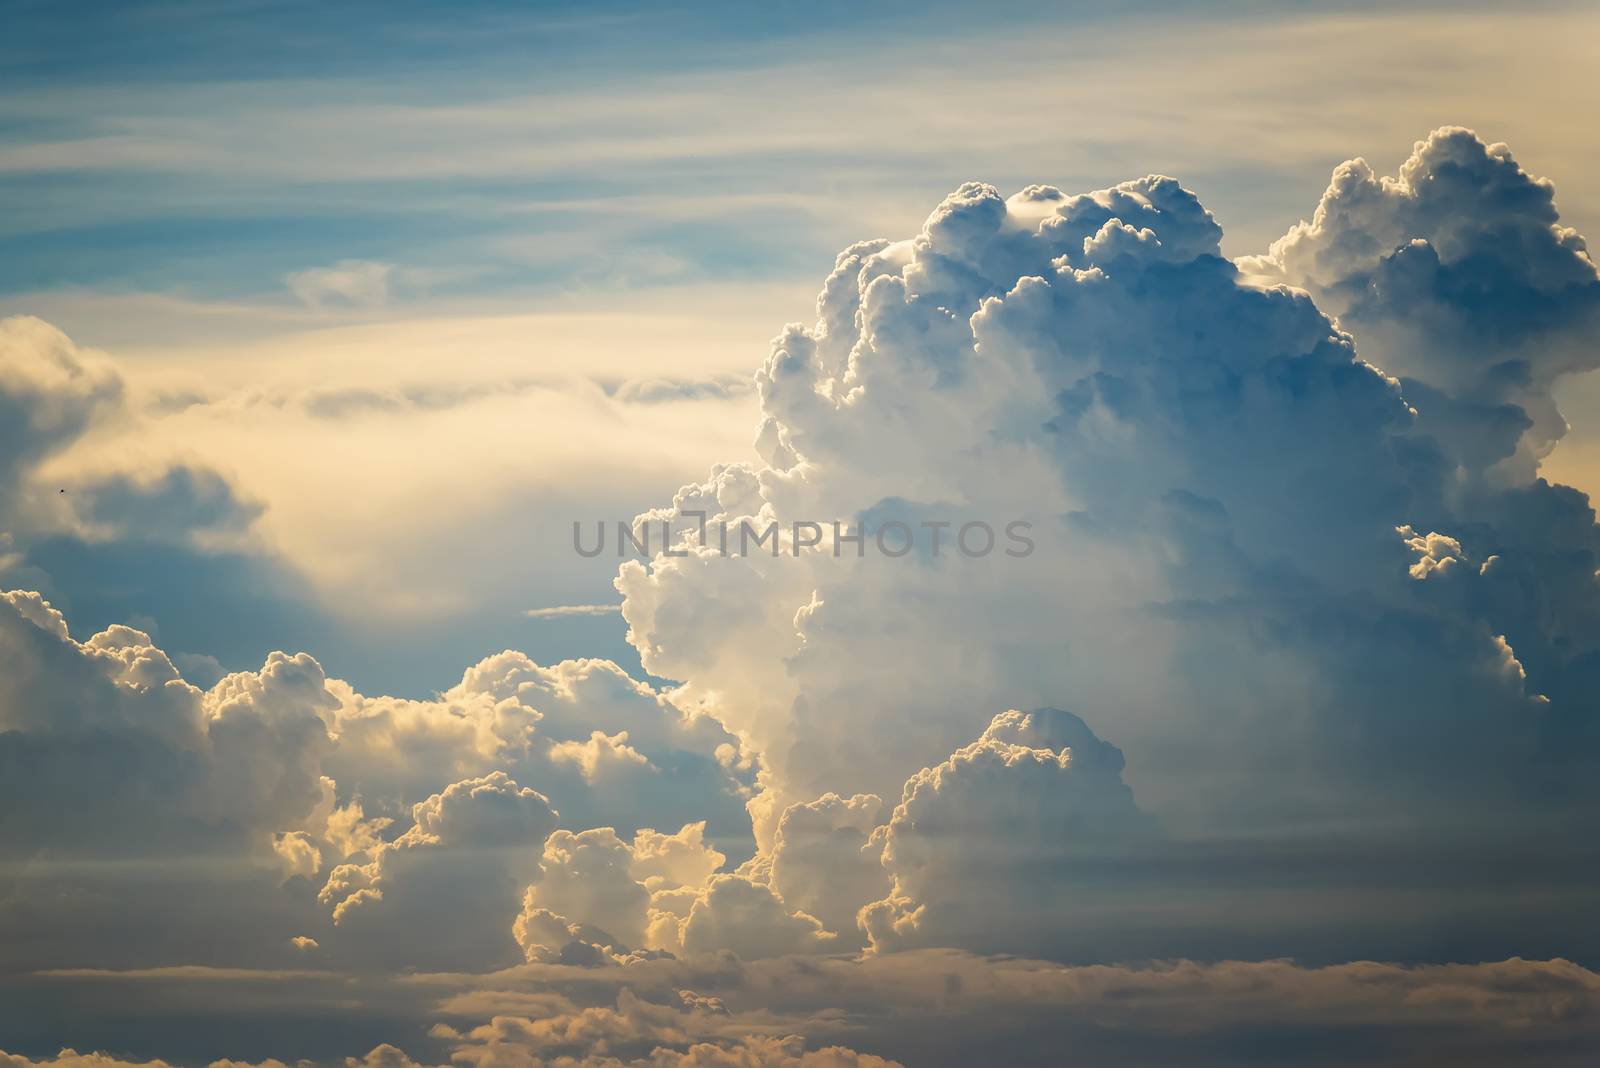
(1216, 469)
(386, 830)
(1328, 642)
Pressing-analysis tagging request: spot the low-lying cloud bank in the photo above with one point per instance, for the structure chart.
(917, 1007)
(1303, 666)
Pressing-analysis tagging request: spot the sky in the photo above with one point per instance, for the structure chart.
(511, 212)
(1262, 335)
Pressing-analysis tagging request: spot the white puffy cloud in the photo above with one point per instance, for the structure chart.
(826, 860)
(1436, 553)
(664, 861)
(407, 815)
(588, 880)
(602, 757)
(108, 755)
(445, 892)
(750, 920)
(1458, 276)
(608, 750)
(982, 847)
(224, 764)
(298, 853)
(600, 897)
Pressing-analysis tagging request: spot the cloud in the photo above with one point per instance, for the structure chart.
(384, 1056)
(664, 390)
(608, 750)
(587, 880)
(356, 283)
(114, 760)
(71, 1058)
(279, 782)
(1458, 276)
(64, 701)
(1214, 472)
(984, 848)
(748, 919)
(827, 861)
(933, 1007)
(444, 893)
(50, 393)
(690, 1033)
(179, 504)
(940, 1007)
(1346, 736)
(342, 403)
(1181, 443)
(562, 611)
(114, 533)
(600, 898)
(371, 457)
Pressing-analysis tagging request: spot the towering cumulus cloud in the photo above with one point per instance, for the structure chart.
(1215, 472)
(1333, 620)
(1200, 610)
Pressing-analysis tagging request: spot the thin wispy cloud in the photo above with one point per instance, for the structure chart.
(565, 611)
